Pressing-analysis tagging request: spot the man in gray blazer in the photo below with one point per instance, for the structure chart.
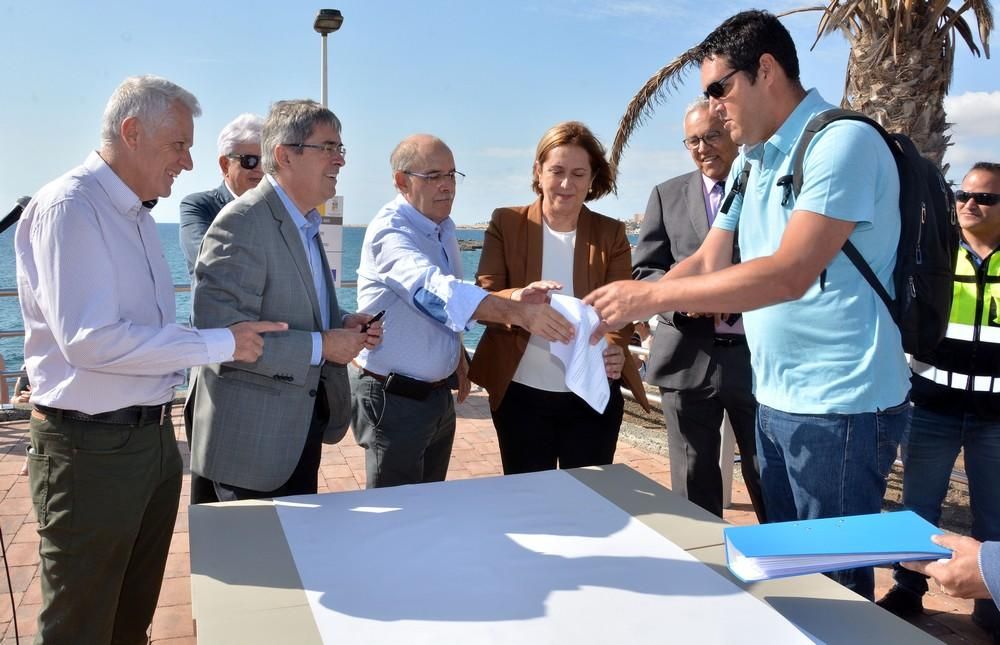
(258, 428)
(239, 160)
(700, 361)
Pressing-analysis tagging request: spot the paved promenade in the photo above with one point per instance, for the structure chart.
(475, 454)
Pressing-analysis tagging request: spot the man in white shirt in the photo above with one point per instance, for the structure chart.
(103, 355)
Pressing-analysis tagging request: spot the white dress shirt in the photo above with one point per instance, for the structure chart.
(97, 298)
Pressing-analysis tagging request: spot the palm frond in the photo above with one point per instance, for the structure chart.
(642, 104)
(956, 22)
(984, 16)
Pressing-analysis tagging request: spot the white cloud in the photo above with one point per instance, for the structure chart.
(975, 130)
(961, 156)
(974, 114)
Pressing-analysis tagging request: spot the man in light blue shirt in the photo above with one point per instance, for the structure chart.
(403, 412)
(829, 371)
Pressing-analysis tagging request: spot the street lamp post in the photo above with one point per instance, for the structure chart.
(331, 227)
(327, 22)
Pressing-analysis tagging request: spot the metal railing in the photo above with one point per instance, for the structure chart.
(7, 374)
(639, 352)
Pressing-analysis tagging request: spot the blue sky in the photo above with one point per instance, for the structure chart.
(487, 77)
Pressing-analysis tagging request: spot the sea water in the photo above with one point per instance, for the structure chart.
(12, 349)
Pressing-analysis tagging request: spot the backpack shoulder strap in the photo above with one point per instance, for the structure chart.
(816, 124)
(865, 270)
(738, 188)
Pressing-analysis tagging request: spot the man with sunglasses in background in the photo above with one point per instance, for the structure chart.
(411, 269)
(830, 376)
(239, 159)
(956, 393)
(258, 428)
(701, 364)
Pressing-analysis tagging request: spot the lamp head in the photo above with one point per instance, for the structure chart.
(328, 21)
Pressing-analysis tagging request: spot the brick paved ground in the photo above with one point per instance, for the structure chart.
(475, 454)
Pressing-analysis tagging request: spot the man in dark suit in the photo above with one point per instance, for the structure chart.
(700, 361)
(258, 428)
(239, 159)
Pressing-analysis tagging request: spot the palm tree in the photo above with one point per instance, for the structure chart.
(898, 72)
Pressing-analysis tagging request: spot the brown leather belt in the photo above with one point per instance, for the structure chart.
(381, 379)
(136, 415)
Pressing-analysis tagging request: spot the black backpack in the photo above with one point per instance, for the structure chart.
(928, 237)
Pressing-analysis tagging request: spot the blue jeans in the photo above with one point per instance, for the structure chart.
(828, 465)
(929, 454)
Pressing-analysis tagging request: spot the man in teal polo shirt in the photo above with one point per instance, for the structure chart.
(829, 369)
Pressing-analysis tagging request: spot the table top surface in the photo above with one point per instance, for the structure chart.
(241, 596)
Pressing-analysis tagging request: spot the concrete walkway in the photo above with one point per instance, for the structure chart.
(475, 454)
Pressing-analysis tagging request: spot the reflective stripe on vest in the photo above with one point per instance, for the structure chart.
(958, 331)
(954, 380)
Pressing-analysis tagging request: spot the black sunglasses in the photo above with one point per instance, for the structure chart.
(247, 162)
(983, 199)
(717, 89)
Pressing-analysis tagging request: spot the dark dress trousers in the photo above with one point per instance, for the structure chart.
(700, 375)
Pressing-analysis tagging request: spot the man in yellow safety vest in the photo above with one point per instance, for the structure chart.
(956, 393)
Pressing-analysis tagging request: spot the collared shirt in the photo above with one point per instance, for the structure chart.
(308, 227)
(232, 193)
(835, 349)
(978, 261)
(97, 299)
(412, 268)
(712, 195)
(713, 190)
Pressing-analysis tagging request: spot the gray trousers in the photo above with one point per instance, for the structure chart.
(405, 441)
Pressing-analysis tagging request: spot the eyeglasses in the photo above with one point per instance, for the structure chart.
(983, 199)
(329, 149)
(717, 89)
(247, 162)
(438, 177)
(710, 138)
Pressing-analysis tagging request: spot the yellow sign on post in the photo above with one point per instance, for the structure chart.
(331, 232)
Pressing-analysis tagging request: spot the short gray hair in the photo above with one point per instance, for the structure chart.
(407, 151)
(700, 103)
(292, 122)
(245, 128)
(145, 97)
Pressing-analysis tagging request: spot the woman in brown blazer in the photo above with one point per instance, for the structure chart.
(555, 244)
